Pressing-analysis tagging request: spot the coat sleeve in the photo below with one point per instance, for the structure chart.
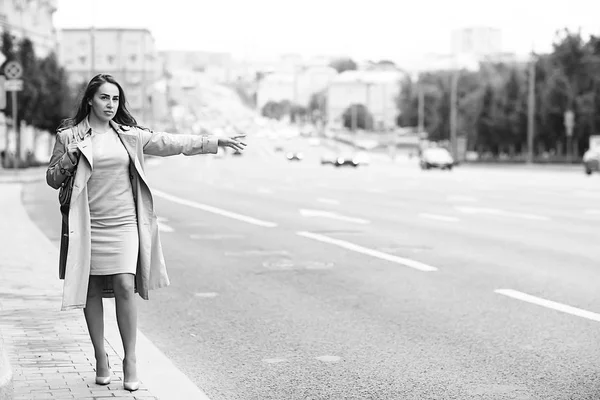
(60, 166)
(167, 144)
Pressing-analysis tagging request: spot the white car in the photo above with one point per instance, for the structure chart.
(591, 160)
(436, 157)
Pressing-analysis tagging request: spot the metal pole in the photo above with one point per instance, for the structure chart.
(16, 130)
(93, 42)
(368, 107)
(531, 110)
(421, 108)
(453, 113)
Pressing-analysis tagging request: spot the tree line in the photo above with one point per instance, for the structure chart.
(492, 102)
(46, 98)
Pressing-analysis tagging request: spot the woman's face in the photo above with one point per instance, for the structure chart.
(105, 102)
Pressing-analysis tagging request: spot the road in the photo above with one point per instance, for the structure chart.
(302, 281)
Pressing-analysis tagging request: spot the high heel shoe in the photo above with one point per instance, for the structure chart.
(131, 386)
(104, 380)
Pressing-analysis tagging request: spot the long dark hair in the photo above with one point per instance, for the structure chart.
(122, 116)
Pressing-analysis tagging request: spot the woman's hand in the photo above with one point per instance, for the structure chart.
(233, 142)
(73, 152)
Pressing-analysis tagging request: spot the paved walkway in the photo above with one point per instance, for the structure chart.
(49, 350)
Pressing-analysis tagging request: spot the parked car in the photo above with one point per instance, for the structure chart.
(294, 156)
(591, 160)
(436, 157)
(340, 160)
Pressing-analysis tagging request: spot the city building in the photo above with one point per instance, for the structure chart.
(477, 40)
(295, 86)
(215, 65)
(128, 54)
(31, 19)
(376, 90)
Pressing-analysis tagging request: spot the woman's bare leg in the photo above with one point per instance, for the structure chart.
(94, 318)
(127, 320)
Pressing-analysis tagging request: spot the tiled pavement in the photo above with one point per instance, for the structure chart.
(49, 350)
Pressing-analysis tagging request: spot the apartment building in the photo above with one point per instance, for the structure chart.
(128, 54)
(377, 90)
(31, 19)
(296, 86)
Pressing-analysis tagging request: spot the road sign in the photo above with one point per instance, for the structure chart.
(569, 122)
(2, 92)
(13, 70)
(13, 85)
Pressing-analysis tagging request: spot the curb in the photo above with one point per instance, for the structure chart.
(6, 375)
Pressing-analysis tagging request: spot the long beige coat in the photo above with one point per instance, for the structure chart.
(151, 269)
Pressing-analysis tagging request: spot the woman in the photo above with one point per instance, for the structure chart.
(113, 245)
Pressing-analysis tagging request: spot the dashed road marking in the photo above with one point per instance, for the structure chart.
(444, 218)
(503, 213)
(257, 253)
(592, 212)
(466, 199)
(332, 215)
(549, 304)
(328, 201)
(162, 225)
(328, 358)
(216, 236)
(214, 210)
(264, 190)
(206, 294)
(373, 253)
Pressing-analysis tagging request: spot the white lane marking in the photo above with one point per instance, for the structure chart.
(332, 215)
(206, 294)
(328, 358)
(495, 211)
(328, 201)
(374, 253)
(153, 161)
(549, 304)
(257, 253)
(264, 190)
(375, 190)
(214, 210)
(162, 225)
(216, 236)
(590, 195)
(592, 212)
(466, 199)
(439, 217)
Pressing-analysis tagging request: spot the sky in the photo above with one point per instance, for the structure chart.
(373, 29)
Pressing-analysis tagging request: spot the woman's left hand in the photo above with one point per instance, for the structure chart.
(233, 142)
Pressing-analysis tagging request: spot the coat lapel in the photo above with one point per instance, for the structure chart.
(130, 141)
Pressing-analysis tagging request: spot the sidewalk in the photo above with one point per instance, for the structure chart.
(49, 350)
(24, 175)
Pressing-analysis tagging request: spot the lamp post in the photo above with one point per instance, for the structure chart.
(531, 109)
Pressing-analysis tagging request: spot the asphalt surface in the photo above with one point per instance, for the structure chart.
(295, 280)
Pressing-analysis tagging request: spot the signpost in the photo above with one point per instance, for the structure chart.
(13, 72)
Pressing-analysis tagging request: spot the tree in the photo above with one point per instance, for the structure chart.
(317, 105)
(56, 99)
(8, 49)
(29, 97)
(364, 119)
(343, 64)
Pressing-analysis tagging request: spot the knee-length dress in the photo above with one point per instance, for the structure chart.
(114, 231)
